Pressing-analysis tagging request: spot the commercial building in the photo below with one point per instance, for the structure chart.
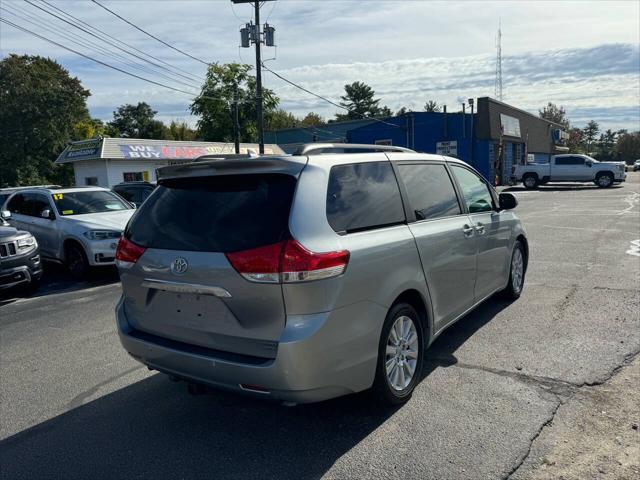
(290, 139)
(108, 161)
(490, 135)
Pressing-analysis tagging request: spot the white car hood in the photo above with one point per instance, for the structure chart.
(116, 220)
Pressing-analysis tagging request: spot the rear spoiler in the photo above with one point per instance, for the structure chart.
(211, 165)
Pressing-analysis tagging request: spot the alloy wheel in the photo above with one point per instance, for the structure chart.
(402, 350)
(517, 270)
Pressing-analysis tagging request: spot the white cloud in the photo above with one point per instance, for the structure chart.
(583, 55)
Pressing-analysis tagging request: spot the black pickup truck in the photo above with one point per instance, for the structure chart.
(19, 256)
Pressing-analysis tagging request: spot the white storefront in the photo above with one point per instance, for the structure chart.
(108, 161)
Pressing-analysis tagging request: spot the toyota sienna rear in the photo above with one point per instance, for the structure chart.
(304, 277)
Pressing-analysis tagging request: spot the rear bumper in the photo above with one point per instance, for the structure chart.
(319, 356)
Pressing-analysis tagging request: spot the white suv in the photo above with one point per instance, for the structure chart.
(77, 226)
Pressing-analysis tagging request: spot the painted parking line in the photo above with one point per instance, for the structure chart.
(634, 249)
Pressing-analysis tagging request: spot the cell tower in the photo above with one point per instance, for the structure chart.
(498, 82)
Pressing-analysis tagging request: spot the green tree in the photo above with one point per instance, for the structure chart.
(402, 111)
(136, 121)
(590, 133)
(40, 105)
(384, 112)
(89, 128)
(279, 119)
(312, 119)
(225, 83)
(628, 147)
(359, 102)
(575, 142)
(607, 145)
(179, 131)
(556, 114)
(431, 106)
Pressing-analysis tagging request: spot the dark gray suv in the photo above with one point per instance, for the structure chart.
(315, 275)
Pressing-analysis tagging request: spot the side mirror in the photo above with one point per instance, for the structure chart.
(5, 215)
(48, 214)
(507, 201)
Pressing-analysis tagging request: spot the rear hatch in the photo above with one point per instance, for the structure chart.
(183, 287)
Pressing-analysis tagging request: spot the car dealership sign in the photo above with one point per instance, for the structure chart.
(179, 152)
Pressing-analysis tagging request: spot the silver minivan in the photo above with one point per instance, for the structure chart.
(314, 275)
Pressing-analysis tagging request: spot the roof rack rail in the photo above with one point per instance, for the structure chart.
(329, 148)
(225, 156)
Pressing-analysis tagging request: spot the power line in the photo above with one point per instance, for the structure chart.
(326, 99)
(53, 42)
(109, 42)
(150, 35)
(178, 71)
(82, 42)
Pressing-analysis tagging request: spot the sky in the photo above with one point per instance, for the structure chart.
(584, 56)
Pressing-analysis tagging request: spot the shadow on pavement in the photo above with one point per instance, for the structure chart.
(564, 187)
(56, 279)
(154, 429)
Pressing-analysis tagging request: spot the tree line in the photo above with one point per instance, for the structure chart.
(609, 145)
(44, 108)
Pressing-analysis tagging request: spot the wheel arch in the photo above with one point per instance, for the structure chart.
(68, 242)
(414, 298)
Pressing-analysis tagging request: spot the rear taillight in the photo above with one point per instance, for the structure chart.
(287, 262)
(128, 252)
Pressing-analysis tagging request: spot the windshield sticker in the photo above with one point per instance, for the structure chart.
(67, 212)
(58, 196)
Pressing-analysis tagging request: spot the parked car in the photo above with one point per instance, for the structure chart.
(77, 226)
(570, 168)
(311, 276)
(636, 165)
(6, 192)
(134, 192)
(19, 256)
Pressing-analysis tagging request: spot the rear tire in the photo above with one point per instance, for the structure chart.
(604, 180)
(517, 270)
(530, 181)
(400, 354)
(76, 261)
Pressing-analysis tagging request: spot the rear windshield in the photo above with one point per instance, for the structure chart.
(226, 213)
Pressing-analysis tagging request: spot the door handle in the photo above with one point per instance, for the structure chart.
(468, 231)
(479, 228)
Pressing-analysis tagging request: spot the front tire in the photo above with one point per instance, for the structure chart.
(76, 261)
(517, 270)
(400, 354)
(604, 180)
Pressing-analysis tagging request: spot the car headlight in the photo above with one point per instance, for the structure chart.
(27, 243)
(102, 234)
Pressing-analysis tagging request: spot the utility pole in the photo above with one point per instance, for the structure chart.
(236, 123)
(258, 43)
(251, 33)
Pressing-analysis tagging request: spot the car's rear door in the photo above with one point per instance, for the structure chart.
(444, 236)
(183, 287)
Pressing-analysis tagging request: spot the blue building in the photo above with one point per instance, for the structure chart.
(492, 139)
(290, 139)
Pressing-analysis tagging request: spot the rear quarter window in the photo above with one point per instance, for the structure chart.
(225, 213)
(363, 196)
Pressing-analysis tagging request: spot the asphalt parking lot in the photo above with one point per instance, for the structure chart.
(74, 405)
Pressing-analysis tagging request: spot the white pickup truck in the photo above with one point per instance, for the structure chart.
(570, 168)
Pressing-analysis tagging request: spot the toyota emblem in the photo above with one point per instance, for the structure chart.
(179, 266)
